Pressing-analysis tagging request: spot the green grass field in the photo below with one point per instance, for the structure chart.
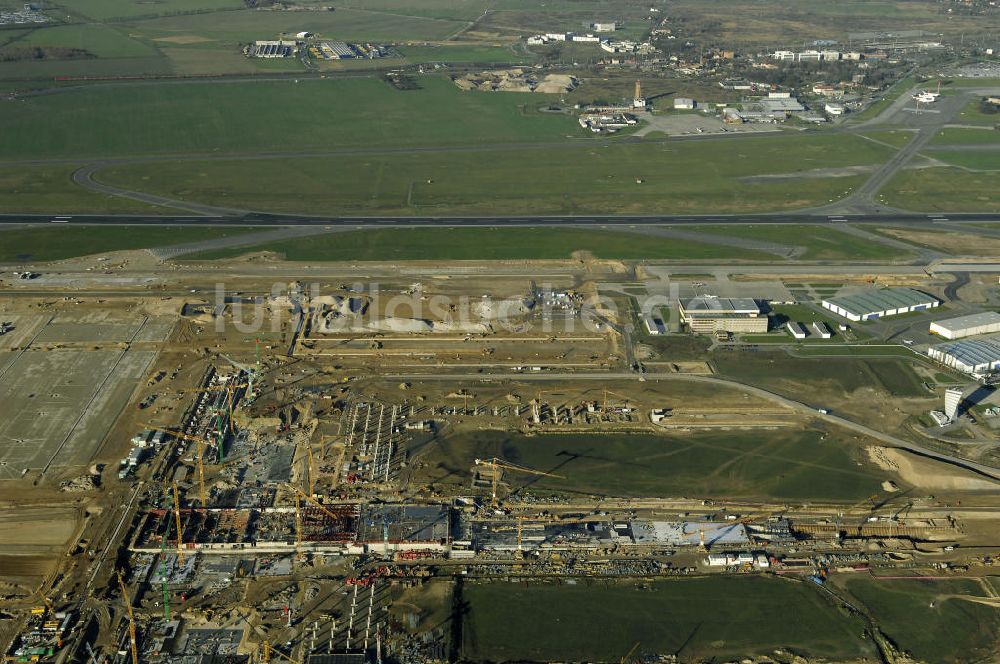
(269, 116)
(857, 351)
(838, 378)
(915, 614)
(793, 465)
(894, 137)
(980, 161)
(483, 244)
(966, 136)
(973, 114)
(583, 178)
(699, 619)
(49, 188)
(800, 313)
(820, 243)
(18, 244)
(943, 189)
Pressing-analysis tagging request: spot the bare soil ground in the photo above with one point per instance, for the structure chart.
(928, 474)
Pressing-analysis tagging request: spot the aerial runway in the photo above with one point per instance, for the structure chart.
(891, 217)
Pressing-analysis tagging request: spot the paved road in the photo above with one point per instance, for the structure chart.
(807, 409)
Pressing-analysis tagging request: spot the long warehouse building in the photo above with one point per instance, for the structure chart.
(986, 322)
(972, 356)
(874, 304)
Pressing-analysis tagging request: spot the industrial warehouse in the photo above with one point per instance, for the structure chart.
(971, 356)
(709, 314)
(873, 304)
(986, 322)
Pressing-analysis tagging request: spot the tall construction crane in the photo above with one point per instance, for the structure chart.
(203, 494)
(180, 530)
(267, 648)
(499, 465)
(626, 656)
(299, 493)
(131, 618)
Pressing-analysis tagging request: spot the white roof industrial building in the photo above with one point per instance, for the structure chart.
(973, 356)
(872, 304)
(654, 322)
(797, 330)
(985, 322)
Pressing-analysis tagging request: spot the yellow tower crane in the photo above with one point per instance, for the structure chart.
(310, 472)
(202, 493)
(131, 618)
(604, 404)
(497, 466)
(625, 658)
(298, 525)
(180, 532)
(299, 494)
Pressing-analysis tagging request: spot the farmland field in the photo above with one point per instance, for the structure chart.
(463, 53)
(99, 40)
(695, 618)
(797, 464)
(105, 9)
(344, 24)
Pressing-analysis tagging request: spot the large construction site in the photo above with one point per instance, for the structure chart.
(333, 463)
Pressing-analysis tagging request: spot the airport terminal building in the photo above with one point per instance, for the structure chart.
(708, 314)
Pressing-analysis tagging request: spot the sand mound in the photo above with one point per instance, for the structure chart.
(928, 474)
